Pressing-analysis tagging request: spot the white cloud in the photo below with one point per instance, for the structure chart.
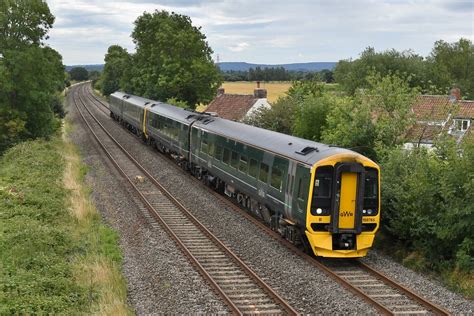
(239, 47)
(268, 31)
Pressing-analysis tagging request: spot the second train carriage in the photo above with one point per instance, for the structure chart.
(325, 197)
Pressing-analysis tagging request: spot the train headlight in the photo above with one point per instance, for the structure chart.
(364, 211)
(369, 212)
(319, 211)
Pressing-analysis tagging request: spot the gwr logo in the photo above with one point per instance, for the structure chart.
(346, 214)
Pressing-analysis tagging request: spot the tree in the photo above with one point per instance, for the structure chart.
(377, 117)
(79, 73)
(452, 65)
(30, 75)
(172, 60)
(117, 60)
(23, 23)
(352, 74)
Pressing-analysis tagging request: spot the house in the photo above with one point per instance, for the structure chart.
(236, 107)
(437, 114)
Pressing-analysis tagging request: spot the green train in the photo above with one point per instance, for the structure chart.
(323, 198)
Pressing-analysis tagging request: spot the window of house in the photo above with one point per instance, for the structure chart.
(462, 125)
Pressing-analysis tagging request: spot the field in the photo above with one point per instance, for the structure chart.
(274, 89)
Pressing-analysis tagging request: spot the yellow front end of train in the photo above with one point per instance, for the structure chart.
(343, 212)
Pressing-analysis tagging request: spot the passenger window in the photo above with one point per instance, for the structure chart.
(226, 157)
(211, 149)
(243, 164)
(218, 152)
(253, 168)
(277, 178)
(235, 159)
(300, 189)
(204, 146)
(263, 176)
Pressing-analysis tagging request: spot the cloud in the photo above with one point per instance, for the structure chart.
(268, 31)
(239, 47)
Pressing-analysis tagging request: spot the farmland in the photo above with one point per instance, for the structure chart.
(274, 89)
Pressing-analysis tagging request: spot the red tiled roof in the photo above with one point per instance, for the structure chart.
(232, 106)
(432, 107)
(466, 109)
(423, 132)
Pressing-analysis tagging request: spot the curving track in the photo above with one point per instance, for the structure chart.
(240, 288)
(385, 294)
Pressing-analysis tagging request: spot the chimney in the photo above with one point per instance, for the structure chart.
(260, 93)
(456, 93)
(220, 91)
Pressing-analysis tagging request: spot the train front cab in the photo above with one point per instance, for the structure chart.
(343, 212)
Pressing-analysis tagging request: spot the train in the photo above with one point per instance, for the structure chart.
(322, 198)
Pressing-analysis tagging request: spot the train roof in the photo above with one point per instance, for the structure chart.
(299, 149)
(157, 107)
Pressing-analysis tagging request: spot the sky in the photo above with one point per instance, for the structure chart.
(270, 32)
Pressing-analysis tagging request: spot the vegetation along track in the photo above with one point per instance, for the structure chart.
(388, 296)
(240, 288)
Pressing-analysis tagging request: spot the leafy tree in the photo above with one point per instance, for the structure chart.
(376, 117)
(79, 73)
(117, 60)
(311, 118)
(172, 59)
(23, 23)
(351, 75)
(453, 65)
(30, 75)
(280, 117)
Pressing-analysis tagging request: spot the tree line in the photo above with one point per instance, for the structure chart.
(172, 61)
(31, 74)
(276, 74)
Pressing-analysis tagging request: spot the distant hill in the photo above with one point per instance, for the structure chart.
(313, 66)
(242, 66)
(96, 67)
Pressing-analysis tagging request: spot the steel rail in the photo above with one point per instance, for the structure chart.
(280, 301)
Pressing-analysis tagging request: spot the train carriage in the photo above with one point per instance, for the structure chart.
(167, 128)
(323, 197)
(310, 192)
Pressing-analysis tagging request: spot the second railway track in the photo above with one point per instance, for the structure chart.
(240, 288)
(385, 294)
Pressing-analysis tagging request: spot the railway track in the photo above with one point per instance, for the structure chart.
(385, 294)
(239, 287)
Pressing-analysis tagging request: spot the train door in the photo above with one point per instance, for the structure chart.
(348, 198)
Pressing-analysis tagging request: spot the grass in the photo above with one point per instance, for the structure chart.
(56, 256)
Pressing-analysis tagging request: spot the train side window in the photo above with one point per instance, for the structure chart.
(204, 146)
(212, 148)
(253, 168)
(263, 175)
(243, 165)
(300, 189)
(234, 162)
(226, 156)
(218, 152)
(277, 178)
